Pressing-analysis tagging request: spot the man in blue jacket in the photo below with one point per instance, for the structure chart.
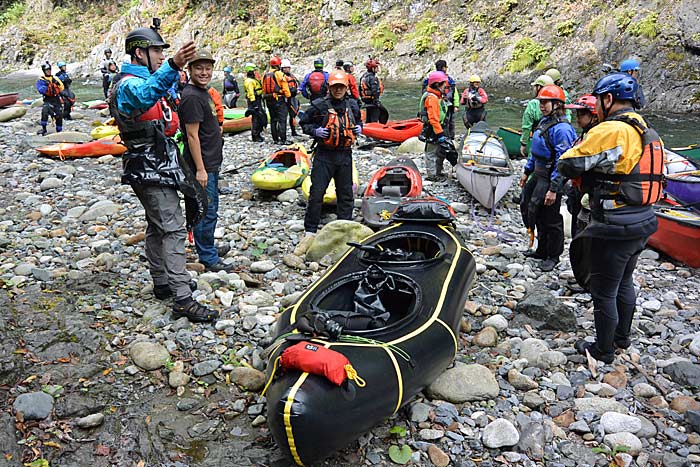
(152, 166)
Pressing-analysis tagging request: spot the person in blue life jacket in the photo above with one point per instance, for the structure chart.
(231, 91)
(315, 83)
(67, 95)
(154, 167)
(631, 67)
(51, 88)
(541, 183)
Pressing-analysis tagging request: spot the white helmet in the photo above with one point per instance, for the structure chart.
(285, 63)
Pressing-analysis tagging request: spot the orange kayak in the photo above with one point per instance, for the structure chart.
(237, 125)
(396, 131)
(110, 145)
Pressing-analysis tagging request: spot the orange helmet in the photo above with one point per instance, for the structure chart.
(338, 77)
(552, 92)
(275, 61)
(372, 63)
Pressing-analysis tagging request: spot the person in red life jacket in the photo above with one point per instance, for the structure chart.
(334, 122)
(542, 185)
(204, 145)
(50, 87)
(371, 89)
(432, 112)
(586, 118)
(474, 97)
(292, 103)
(621, 165)
(315, 83)
(67, 95)
(276, 93)
(353, 90)
(153, 166)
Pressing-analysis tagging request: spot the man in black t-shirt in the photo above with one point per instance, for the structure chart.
(204, 146)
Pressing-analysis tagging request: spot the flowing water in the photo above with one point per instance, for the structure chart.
(401, 98)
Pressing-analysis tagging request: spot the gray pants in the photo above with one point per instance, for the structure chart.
(433, 159)
(165, 238)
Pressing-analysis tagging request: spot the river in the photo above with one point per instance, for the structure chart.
(401, 98)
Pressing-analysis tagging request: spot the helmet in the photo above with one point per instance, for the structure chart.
(629, 65)
(202, 55)
(474, 79)
(45, 66)
(554, 74)
(542, 80)
(108, 51)
(337, 77)
(249, 67)
(339, 63)
(275, 61)
(286, 63)
(227, 69)
(551, 92)
(620, 85)
(318, 63)
(347, 65)
(60, 64)
(436, 77)
(371, 63)
(143, 38)
(587, 102)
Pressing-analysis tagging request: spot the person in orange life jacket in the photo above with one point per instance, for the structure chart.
(231, 91)
(153, 167)
(542, 185)
(50, 87)
(371, 89)
(353, 90)
(474, 97)
(451, 97)
(432, 112)
(621, 165)
(218, 106)
(67, 95)
(315, 83)
(586, 118)
(199, 122)
(334, 122)
(276, 92)
(292, 103)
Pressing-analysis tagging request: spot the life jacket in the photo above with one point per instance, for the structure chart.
(52, 87)
(317, 84)
(293, 84)
(143, 128)
(218, 105)
(366, 93)
(339, 127)
(643, 186)
(428, 133)
(544, 131)
(270, 86)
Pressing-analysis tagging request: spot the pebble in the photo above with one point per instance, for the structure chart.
(464, 383)
(90, 421)
(487, 337)
(613, 422)
(500, 433)
(644, 390)
(624, 439)
(497, 321)
(149, 355)
(34, 405)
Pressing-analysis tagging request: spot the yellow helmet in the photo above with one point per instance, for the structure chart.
(474, 79)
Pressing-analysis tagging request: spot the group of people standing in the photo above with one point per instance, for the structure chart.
(57, 95)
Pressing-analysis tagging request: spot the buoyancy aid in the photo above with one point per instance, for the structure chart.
(270, 86)
(642, 186)
(339, 127)
(428, 132)
(317, 84)
(53, 88)
(367, 94)
(293, 83)
(544, 131)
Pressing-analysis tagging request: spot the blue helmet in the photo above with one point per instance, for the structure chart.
(621, 85)
(61, 64)
(227, 69)
(629, 65)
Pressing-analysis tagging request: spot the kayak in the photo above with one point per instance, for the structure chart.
(511, 139)
(396, 131)
(682, 178)
(692, 152)
(238, 125)
(283, 169)
(7, 100)
(232, 114)
(678, 234)
(329, 195)
(97, 104)
(388, 187)
(485, 169)
(101, 147)
(103, 131)
(392, 307)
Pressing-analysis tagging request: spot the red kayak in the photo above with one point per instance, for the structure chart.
(396, 131)
(238, 125)
(109, 145)
(679, 232)
(388, 187)
(7, 100)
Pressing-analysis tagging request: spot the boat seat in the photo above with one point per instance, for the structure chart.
(395, 191)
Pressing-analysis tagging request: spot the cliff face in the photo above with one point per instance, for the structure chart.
(508, 42)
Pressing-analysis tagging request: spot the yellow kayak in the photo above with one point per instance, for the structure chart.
(282, 169)
(103, 131)
(329, 196)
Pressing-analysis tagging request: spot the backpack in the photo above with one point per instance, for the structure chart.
(317, 83)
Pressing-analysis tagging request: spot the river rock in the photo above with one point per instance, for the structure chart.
(614, 422)
(332, 239)
(259, 298)
(288, 196)
(685, 374)
(694, 346)
(520, 381)
(248, 378)
(100, 209)
(90, 421)
(49, 183)
(487, 337)
(682, 404)
(412, 145)
(464, 383)
(692, 417)
(68, 137)
(599, 405)
(624, 439)
(11, 113)
(177, 379)
(206, 367)
(531, 349)
(34, 405)
(149, 355)
(546, 311)
(498, 322)
(500, 433)
(437, 456)
(262, 266)
(644, 390)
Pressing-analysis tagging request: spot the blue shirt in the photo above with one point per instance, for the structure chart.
(562, 137)
(143, 91)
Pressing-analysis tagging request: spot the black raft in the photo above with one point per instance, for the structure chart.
(392, 306)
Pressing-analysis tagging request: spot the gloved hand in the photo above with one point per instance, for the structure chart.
(357, 130)
(322, 133)
(442, 139)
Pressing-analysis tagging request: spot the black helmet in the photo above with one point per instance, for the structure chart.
(318, 63)
(45, 66)
(339, 63)
(108, 51)
(143, 38)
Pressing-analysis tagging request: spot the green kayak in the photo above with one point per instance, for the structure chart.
(511, 138)
(691, 152)
(235, 113)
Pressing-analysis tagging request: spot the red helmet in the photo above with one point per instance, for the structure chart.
(372, 63)
(585, 102)
(437, 77)
(552, 92)
(275, 61)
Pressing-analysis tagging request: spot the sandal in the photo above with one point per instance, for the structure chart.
(195, 312)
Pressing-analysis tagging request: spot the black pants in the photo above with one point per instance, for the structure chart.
(278, 119)
(52, 108)
(106, 81)
(449, 124)
(293, 108)
(547, 219)
(612, 288)
(472, 116)
(326, 166)
(259, 118)
(372, 112)
(573, 205)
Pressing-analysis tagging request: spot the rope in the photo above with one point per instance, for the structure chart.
(500, 234)
(272, 375)
(353, 376)
(363, 340)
